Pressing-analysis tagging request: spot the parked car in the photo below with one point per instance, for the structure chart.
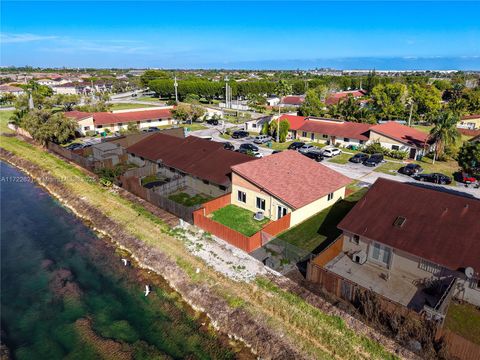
(295, 145)
(411, 169)
(248, 146)
(436, 178)
(239, 134)
(212, 122)
(358, 158)
(228, 146)
(373, 160)
(307, 148)
(315, 155)
(467, 178)
(331, 151)
(276, 151)
(249, 152)
(262, 139)
(74, 146)
(153, 129)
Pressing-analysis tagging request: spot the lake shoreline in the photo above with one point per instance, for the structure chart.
(237, 324)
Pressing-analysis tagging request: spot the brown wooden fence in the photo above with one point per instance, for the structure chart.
(330, 253)
(246, 243)
(147, 170)
(458, 346)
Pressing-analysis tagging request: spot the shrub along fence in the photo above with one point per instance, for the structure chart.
(133, 185)
(246, 243)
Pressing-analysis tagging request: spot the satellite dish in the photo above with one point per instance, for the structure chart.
(469, 272)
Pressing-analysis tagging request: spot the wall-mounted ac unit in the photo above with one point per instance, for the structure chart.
(359, 257)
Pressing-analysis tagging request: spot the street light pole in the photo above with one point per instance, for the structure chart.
(176, 91)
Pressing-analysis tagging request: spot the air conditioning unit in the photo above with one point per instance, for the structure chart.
(360, 257)
(259, 216)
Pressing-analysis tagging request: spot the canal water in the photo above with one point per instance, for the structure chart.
(65, 293)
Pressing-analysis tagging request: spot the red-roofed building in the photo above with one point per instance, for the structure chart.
(410, 244)
(335, 98)
(205, 164)
(295, 123)
(286, 182)
(292, 100)
(109, 121)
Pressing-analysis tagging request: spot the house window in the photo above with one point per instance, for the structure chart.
(380, 253)
(312, 136)
(205, 182)
(356, 239)
(304, 134)
(254, 125)
(330, 196)
(86, 128)
(346, 140)
(120, 124)
(361, 142)
(148, 121)
(99, 126)
(395, 147)
(281, 211)
(241, 196)
(399, 221)
(260, 203)
(325, 136)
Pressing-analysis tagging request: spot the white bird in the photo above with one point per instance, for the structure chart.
(125, 262)
(147, 290)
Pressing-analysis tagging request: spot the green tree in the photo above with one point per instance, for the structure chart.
(312, 106)
(133, 128)
(283, 88)
(7, 98)
(426, 101)
(150, 75)
(66, 101)
(45, 126)
(469, 158)
(284, 127)
(444, 132)
(348, 108)
(389, 100)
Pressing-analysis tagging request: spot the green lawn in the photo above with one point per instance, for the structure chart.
(321, 228)
(149, 179)
(187, 200)
(340, 159)
(4, 118)
(148, 98)
(238, 219)
(464, 320)
(129, 106)
(278, 146)
(225, 136)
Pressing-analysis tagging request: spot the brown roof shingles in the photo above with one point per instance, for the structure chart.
(292, 178)
(439, 227)
(205, 159)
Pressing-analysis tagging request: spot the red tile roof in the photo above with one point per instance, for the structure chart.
(439, 227)
(78, 115)
(295, 121)
(402, 133)
(336, 97)
(106, 118)
(337, 128)
(205, 159)
(292, 177)
(473, 116)
(293, 100)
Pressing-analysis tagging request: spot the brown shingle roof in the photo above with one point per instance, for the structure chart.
(205, 159)
(439, 227)
(336, 97)
(337, 128)
(292, 177)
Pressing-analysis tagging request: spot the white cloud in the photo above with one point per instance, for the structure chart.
(8, 38)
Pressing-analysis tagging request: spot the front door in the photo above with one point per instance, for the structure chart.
(413, 151)
(281, 211)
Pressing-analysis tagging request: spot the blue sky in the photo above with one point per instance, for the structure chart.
(269, 34)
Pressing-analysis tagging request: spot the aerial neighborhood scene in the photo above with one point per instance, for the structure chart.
(240, 180)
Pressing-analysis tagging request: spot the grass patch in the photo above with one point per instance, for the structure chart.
(277, 146)
(148, 98)
(238, 219)
(319, 230)
(4, 119)
(464, 320)
(225, 136)
(149, 179)
(127, 106)
(187, 200)
(340, 159)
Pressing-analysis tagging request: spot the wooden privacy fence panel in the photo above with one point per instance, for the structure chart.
(278, 226)
(458, 346)
(330, 253)
(217, 203)
(147, 170)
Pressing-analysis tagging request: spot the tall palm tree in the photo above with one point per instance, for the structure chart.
(444, 131)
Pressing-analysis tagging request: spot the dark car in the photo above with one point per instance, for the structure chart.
(153, 129)
(212, 122)
(433, 178)
(411, 169)
(276, 151)
(314, 155)
(74, 146)
(373, 160)
(228, 146)
(248, 146)
(239, 134)
(358, 158)
(295, 145)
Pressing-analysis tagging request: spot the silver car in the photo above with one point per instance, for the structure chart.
(307, 148)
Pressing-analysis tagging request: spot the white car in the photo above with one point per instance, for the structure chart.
(307, 148)
(257, 154)
(331, 152)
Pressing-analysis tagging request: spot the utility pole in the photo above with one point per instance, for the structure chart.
(411, 111)
(176, 89)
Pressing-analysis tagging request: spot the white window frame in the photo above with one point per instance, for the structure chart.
(242, 196)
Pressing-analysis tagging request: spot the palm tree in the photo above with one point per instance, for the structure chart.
(444, 131)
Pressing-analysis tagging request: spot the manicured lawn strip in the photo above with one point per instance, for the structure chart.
(147, 98)
(238, 219)
(277, 146)
(127, 106)
(464, 320)
(316, 336)
(314, 233)
(148, 179)
(4, 119)
(340, 159)
(187, 200)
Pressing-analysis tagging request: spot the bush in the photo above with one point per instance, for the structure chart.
(90, 133)
(374, 148)
(396, 154)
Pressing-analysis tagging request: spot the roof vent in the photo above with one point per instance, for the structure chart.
(399, 221)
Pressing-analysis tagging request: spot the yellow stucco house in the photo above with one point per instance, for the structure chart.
(287, 182)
